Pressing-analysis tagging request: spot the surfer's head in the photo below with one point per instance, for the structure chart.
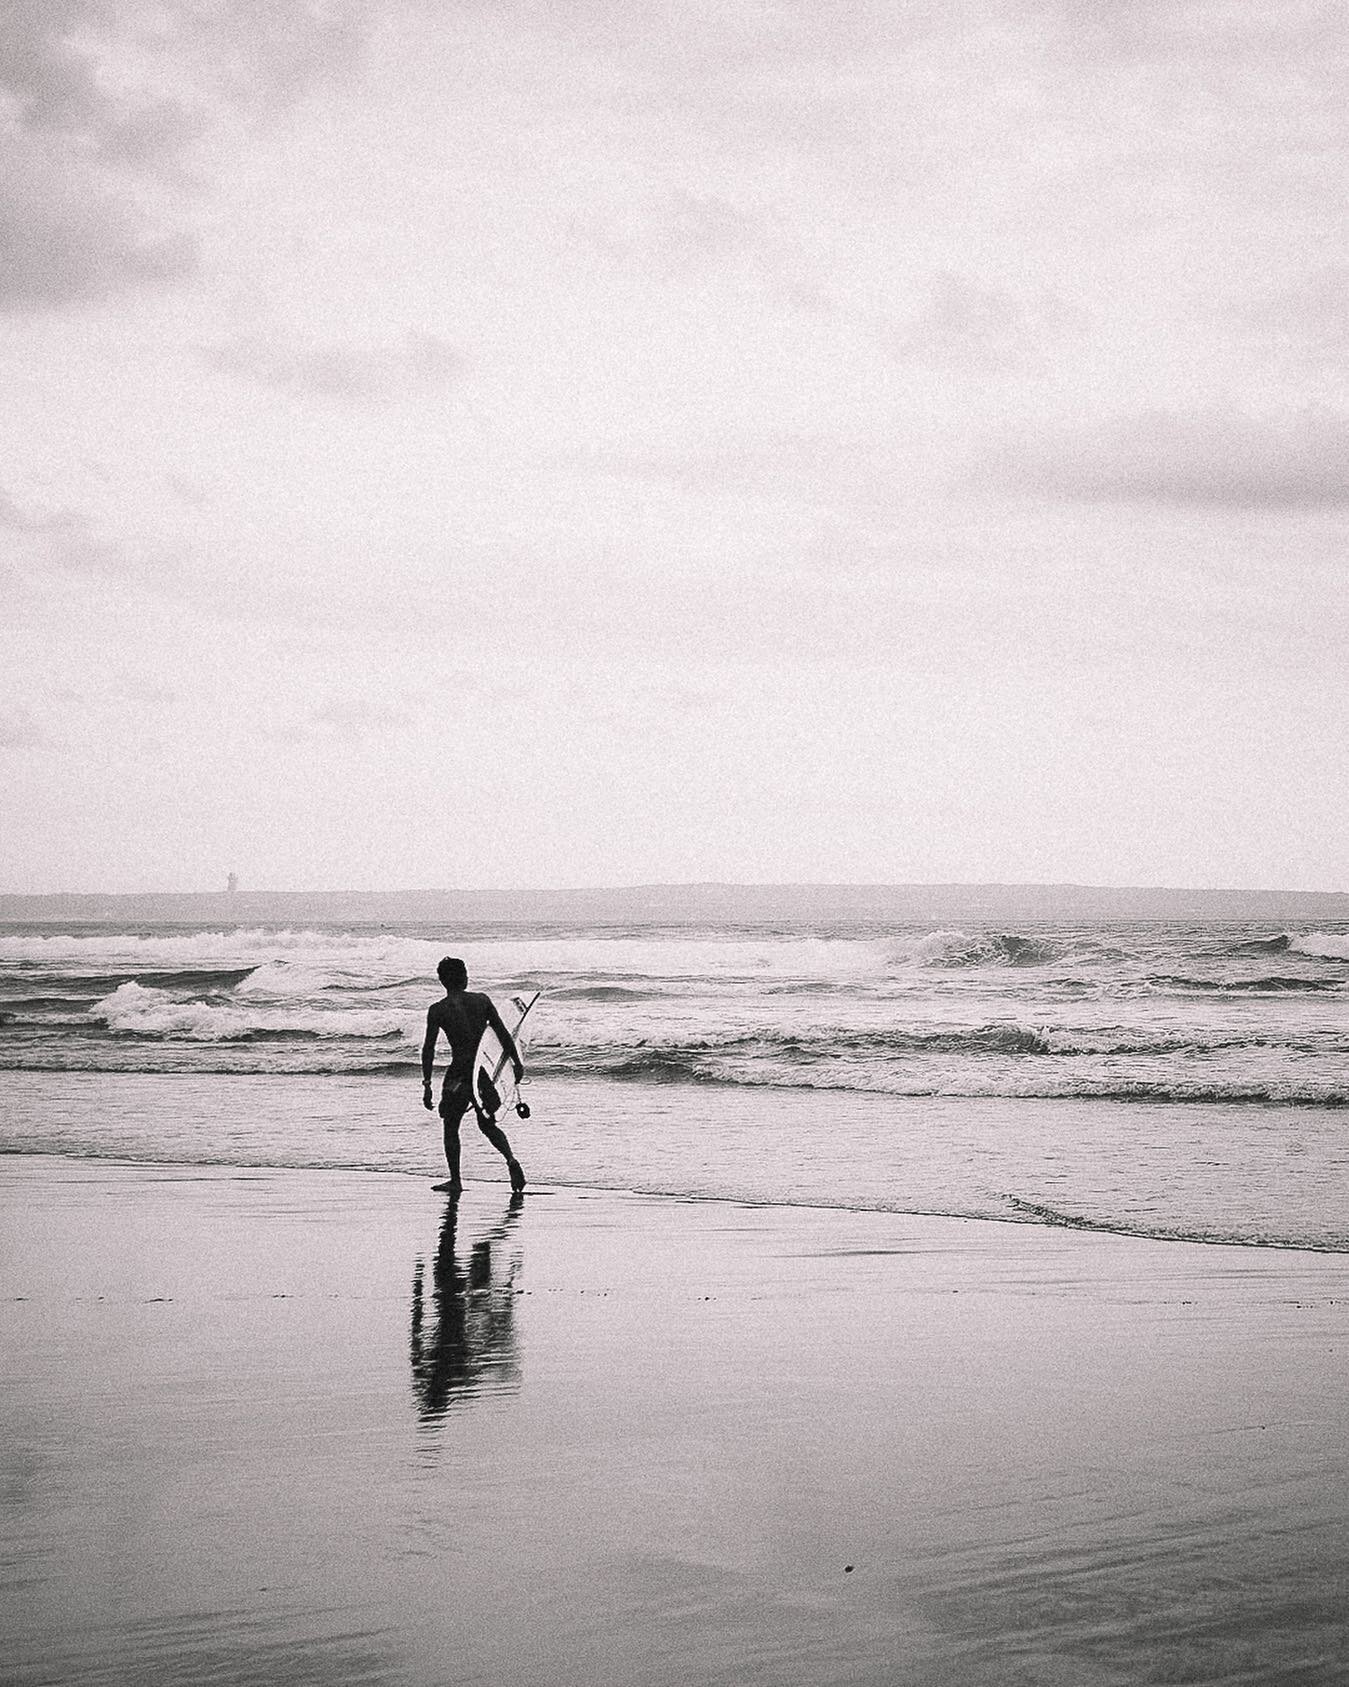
(452, 973)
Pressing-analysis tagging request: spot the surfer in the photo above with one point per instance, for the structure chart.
(463, 1015)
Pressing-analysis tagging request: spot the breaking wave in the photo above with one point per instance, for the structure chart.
(144, 951)
(1326, 945)
(1189, 1012)
(792, 1049)
(1274, 984)
(1257, 946)
(12, 1005)
(86, 984)
(134, 1010)
(961, 949)
(735, 1067)
(390, 958)
(1320, 945)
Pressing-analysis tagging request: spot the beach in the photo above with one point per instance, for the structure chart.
(739, 604)
(267, 1425)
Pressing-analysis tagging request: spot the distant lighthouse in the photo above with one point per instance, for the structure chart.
(232, 883)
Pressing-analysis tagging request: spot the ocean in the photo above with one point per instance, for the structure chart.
(1165, 1079)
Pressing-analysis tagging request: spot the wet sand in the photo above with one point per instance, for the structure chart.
(279, 1426)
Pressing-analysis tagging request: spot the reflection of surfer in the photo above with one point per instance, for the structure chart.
(463, 1015)
(470, 1334)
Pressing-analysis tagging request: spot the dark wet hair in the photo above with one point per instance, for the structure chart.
(452, 973)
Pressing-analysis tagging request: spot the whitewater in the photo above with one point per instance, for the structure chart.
(1174, 1080)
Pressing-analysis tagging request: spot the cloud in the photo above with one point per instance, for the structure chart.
(20, 729)
(418, 363)
(359, 720)
(266, 52)
(678, 237)
(680, 230)
(966, 322)
(71, 153)
(100, 104)
(15, 519)
(780, 469)
(1310, 318)
(135, 688)
(47, 544)
(1298, 33)
(1219, 456)
(191, 490)
(64, 240)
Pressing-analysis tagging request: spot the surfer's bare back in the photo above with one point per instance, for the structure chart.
(463, 1015)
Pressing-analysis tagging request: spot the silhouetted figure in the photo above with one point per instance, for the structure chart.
(463, 1015)
(469, 1336)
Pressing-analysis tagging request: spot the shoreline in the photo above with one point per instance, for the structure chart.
(553, 1185)
(583, 1136)
(260, 1425)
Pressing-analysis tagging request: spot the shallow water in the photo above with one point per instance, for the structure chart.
(1258, 1175)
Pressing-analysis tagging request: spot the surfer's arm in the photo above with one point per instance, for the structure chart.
(429, 1052)
(507, 1041)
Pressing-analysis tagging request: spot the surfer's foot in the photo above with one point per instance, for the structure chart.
(517, 1172)
(453, 1187)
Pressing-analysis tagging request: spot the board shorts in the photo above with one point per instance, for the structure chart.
(456, 1097)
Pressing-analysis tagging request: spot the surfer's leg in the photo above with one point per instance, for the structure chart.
(497, 1137)
(452, 1108)
(452, 1151)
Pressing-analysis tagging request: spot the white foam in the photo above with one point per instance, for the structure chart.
(937, 947)
(246, 947)
(154, 1013)
(287, 978)
(336, 957)
(962, 948)
(1330, 945)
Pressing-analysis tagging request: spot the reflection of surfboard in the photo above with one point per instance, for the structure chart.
(494, 1083)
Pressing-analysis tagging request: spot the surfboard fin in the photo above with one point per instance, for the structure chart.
(489, 1096)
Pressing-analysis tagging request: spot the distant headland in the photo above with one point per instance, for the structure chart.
(683, 904)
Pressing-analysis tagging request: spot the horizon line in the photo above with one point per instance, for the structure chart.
(707, 884)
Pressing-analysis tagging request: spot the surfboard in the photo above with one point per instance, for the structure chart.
(494, 1082)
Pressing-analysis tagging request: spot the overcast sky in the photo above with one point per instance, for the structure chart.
(564, 442)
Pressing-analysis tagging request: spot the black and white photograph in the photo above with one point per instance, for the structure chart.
(674, 853)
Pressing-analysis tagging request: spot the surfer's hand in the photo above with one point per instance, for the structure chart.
(427, 1102)
(519, 1073)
